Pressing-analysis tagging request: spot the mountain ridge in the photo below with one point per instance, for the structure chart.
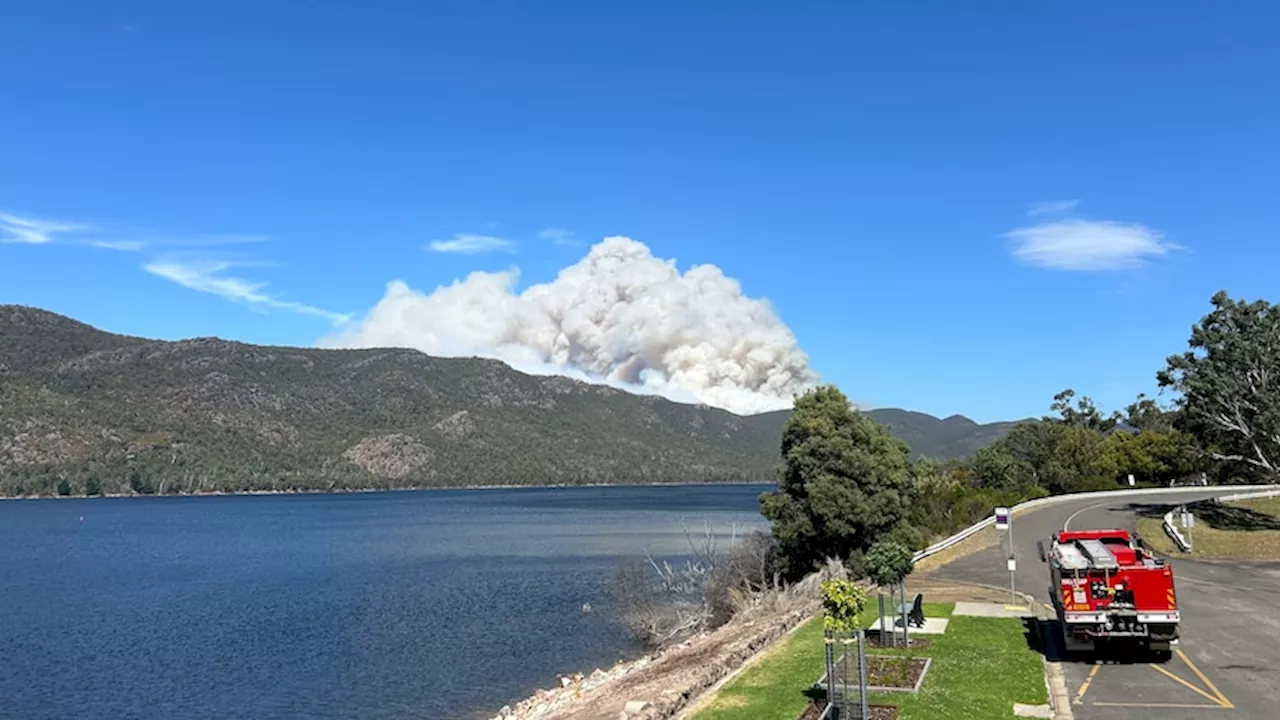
(85, 411)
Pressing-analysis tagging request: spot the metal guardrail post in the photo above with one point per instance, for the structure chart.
(1172, 531)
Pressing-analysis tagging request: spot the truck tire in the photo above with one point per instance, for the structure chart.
(1071, 646)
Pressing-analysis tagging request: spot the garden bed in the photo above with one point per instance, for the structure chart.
(889, 673)
(893, 672)
(917, 643)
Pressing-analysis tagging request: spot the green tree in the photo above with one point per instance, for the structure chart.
(1146, 414)
(1034, 443)
(888, 563)
(845, 481)
(1152, 456)
(140, 484)
(1085, 414)
(996, 467)
(1229, 383)
(842, 605)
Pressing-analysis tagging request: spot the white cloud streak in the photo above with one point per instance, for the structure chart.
(1055, 207)
(205, 277)
(1087, 245)
(119, 245)
(559, 236)
(33, 231)
(618, 315)
(214, 240)
(469, 244)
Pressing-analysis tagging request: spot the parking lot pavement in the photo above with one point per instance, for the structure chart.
(1228, 661)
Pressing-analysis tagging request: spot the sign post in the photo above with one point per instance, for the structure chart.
(1188, 522)
(1005, 522)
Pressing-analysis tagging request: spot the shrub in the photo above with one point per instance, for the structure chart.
(842, 602)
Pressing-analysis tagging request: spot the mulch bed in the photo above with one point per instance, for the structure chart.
(895, 672)
(878, 712)
(873, 641)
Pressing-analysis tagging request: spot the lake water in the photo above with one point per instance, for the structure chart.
(437, 604)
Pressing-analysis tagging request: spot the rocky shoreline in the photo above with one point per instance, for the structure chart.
(567, 690)
(666, 683)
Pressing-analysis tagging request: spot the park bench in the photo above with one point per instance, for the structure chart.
(915, 611)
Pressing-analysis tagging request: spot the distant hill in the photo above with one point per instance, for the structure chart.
(954, 437)
(82, 410)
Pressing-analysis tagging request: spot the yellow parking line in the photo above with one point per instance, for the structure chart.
(1221, 698)
(1166, 673)
(1085, 687)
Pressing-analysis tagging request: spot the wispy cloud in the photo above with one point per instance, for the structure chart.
(1087, 244)
(33, 231)
(168, 258)
(559, 236)
(206, 277)
(1053, 207)
(471, 244)
(119, 245)
(215, 240)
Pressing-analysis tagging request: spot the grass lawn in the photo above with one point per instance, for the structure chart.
(1267, 506)
(981, 666)
(1236, 531)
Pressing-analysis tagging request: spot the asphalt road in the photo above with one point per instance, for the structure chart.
(1228, 661)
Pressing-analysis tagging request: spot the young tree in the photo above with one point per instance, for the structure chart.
(842, 605)
(1229, 382)
(888, 563)
(845, 481)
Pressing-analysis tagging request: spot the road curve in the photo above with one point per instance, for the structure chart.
(1228, 661)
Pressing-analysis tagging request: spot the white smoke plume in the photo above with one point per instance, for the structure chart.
(619, 315)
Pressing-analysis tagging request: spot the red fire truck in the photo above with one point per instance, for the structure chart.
(1108, 588)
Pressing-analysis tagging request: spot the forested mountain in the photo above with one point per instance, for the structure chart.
(85, 411)
(954, 437)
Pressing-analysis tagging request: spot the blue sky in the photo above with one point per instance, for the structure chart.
(956, 207)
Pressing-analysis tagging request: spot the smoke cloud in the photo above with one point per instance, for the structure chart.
(619, 315)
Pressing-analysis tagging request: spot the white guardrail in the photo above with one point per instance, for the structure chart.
(1256, 491)
(1172, 530)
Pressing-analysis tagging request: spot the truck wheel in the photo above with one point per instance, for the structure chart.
(1073, 646)
(1160, 652)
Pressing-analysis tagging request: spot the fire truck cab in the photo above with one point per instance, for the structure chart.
(1108, 588)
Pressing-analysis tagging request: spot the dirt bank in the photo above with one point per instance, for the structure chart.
(659, 686)
(668, 684)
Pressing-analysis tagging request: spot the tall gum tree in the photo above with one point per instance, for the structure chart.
(1229, 383)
